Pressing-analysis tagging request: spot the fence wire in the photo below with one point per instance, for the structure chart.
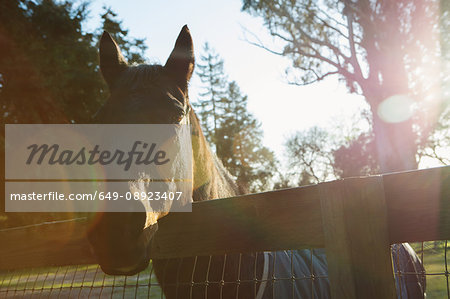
(435, 256)
(88, 281)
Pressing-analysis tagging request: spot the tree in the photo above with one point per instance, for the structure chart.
(233, 132)
(133, 49)
(343, 150)
(239, 143)
(436, 146)
(47, 63)
(49, 71)
(388, 51)
(316, 156)
(210, 103)
(357, 157)
(310, 156)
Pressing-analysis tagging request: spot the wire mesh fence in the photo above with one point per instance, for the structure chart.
(435, 257)
(88, 281)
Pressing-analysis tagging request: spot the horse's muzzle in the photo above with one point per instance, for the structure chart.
(124, 257)
(126, 270)
(145, 238)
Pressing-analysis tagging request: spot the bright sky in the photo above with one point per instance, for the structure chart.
(281, 108)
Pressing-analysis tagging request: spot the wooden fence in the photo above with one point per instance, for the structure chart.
(355, 219)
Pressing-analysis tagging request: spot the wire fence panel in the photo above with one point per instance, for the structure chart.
(86, 281)
(264, 275)
(435, 256)
(283, 274)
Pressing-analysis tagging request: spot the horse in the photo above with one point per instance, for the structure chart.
(156, 94)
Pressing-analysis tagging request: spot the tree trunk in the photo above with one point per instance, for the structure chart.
(395, 144)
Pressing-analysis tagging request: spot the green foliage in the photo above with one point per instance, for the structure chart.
(133, 49)
(240, 146)
(436, 145)
(48, 64)
(49, 70)
(234, 132)
(210, 104)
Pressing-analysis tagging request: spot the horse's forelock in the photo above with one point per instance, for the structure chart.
(140, 76)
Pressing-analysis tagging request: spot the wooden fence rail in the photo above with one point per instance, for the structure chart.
(417, 204)
(372, 212)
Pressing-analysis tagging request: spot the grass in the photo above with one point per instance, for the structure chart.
(434, 262)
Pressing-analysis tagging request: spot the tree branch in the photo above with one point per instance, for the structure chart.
(317, 79)
(314, 40)
(351, 41)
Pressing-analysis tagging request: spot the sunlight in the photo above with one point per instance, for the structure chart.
(396, 109)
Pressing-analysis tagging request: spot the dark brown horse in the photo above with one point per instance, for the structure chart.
(158, 94)
(155, 94)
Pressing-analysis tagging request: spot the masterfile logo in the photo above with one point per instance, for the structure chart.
(52, 155)
(73, 168)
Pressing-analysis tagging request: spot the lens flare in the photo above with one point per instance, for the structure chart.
(396, 109)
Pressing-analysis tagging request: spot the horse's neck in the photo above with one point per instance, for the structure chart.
(211, 179)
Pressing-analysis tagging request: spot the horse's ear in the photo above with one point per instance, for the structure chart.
(180, 64)
(112, 62)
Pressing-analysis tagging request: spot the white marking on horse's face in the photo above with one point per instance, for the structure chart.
(182, 168)
(185, 120)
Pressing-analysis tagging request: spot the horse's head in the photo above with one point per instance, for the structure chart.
(144, 94)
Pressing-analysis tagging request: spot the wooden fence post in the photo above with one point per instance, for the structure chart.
(356, 235)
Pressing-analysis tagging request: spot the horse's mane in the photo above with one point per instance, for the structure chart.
(209, 182)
